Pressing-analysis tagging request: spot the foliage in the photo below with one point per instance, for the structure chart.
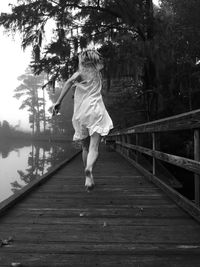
(180, 76)
(93, 21)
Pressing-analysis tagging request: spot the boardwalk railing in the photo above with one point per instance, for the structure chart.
(127, 143)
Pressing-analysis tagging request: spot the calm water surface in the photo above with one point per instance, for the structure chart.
(21, 162)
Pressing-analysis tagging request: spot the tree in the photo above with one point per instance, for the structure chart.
(181, 74)
(5, 129)
(28, 91)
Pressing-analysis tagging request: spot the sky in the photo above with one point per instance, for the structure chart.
(13, 63)
(156, 2)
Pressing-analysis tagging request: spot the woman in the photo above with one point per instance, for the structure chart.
(90, 118)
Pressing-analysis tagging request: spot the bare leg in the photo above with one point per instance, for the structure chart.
(91, 159)
(85, 148)
(84, 156)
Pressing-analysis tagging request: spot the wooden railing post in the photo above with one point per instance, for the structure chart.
(137, 144)
(197, 158)
(128, 140)
(119, 138)
(154, 148)
(123, 138)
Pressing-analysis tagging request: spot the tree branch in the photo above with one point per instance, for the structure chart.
(97, 8)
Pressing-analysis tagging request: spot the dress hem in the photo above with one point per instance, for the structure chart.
(97, 129)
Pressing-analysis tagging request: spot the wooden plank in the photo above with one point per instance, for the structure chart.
(72, 189)
(134, 211)
(102, 260)
(109, 170)
(104, 248)
(94, 202)
(98, 233)
(185, 163)
(98, 221)
(183, 121)
(114, 178)
(12, 200)
(77, 196)
(66, 186)
(103, 183)
(100, 177)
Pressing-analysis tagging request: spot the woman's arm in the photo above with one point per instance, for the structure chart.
(67, 86)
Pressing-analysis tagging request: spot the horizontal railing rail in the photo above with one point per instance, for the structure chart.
(123, 143)
(189, 120)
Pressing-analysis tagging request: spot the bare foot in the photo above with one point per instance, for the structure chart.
(89, 181)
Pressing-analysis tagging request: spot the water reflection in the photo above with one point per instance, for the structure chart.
(21, 163)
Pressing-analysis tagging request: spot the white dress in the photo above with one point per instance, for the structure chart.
(90, 114)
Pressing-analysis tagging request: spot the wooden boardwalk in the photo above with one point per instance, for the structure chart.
(126, 221)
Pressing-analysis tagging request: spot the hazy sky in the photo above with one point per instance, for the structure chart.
(13, 62)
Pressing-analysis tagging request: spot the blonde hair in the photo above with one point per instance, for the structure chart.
(90, 59)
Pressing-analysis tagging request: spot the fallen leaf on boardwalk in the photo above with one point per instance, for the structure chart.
(104, 224)
(5, 242)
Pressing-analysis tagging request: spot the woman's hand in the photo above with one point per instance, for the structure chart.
(56, 108)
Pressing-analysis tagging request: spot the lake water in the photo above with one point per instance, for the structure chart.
(22, 162)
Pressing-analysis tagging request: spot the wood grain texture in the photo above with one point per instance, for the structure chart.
(188, 120)
(125, 221)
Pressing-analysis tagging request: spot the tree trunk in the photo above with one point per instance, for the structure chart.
(44, 113)
(37, 113)
(149, 78)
